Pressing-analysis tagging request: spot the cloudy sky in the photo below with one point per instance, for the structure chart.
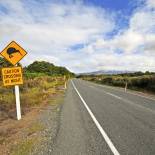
(83, 35)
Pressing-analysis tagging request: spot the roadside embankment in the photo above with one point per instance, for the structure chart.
(40, 102)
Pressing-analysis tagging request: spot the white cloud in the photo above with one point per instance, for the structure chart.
(48, 31)
(136, 44)
(143, 21)
(151, 3)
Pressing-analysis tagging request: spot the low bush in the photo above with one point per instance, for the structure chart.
(140, 81)
(32, 93)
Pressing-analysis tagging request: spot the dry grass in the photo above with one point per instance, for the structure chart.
(25, 147)
(18, 137)
(33, 93)
(36, 127)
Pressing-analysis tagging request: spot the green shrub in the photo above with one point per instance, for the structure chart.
(134, 80)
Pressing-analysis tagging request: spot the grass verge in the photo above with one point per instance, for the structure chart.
(24, 147)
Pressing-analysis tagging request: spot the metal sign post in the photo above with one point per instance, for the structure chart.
(18, 109)
(17, 96)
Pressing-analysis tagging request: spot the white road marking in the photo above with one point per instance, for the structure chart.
(120, 89)
(103, 133)
(141, 96)
(128, 101)
(114, 95)
(120, 98)
(91, 86)
(137, 105)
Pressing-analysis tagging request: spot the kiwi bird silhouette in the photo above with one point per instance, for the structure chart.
(11, 51)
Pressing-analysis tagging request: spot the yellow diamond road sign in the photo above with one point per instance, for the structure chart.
(12, 76)
(13, 53)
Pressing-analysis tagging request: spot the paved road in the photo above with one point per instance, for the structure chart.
(128, 120)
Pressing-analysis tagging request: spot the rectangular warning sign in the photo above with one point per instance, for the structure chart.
(12, 76)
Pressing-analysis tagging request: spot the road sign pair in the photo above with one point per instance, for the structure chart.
(13, 53)
(13, 75)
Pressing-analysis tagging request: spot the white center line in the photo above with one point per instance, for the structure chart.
(131, 103)
(103, 133)
(128, 92)
(114, 95)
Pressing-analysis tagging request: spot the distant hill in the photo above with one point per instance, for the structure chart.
(111, 72)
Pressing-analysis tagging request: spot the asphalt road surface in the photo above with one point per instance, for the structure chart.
(101, 120)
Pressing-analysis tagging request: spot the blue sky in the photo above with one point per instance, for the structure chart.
(83, 35)
(116, 5)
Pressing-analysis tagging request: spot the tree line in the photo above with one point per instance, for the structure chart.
(40, 68)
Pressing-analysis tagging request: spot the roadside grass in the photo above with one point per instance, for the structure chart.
(17, 137)
(7, 98)
(36, 127)
(2, 140)
(56, 101)
(33, 93)
(24, 147)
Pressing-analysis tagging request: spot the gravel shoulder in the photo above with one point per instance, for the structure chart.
(50, 119)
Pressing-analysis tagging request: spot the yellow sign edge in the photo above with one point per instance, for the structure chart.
(7, 47)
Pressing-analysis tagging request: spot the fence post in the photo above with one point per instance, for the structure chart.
(126, 85)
